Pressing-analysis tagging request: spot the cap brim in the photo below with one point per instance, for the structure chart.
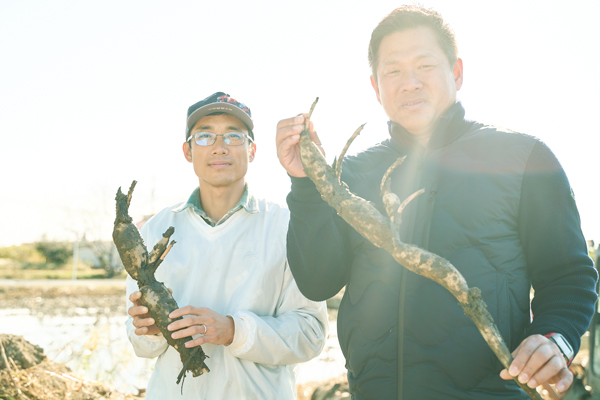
(215, 108)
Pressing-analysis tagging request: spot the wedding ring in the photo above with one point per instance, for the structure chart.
(205, 329)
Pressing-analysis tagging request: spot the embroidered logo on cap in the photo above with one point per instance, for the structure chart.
(227, 99)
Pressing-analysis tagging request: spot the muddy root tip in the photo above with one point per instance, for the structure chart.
(169, 232)
(130, 193)
(131, 188)
(312, 108)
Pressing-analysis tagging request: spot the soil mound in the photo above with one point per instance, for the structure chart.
(26, 373)
(21, 352)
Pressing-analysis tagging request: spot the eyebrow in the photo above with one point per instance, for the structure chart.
(230, 127)
(417, 58)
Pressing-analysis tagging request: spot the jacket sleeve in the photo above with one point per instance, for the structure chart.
(146, 346)
(295, 333)
(562, 274)
(318, 249)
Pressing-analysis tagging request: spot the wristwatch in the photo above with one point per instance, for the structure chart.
(563, 345)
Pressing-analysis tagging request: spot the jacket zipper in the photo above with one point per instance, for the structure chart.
(401, 332)
(403, 277)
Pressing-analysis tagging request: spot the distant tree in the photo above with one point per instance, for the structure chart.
(55, 252)
(106, 259)
(92, 227)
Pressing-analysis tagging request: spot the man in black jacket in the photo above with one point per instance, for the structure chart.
(497, 205)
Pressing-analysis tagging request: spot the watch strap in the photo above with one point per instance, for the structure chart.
(563, 345)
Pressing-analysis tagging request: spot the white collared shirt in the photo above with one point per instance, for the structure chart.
(236, 268)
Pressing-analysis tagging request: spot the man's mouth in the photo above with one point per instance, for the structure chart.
(413, 103)
(219, 164)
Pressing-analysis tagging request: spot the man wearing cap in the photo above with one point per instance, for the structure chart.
(496, 204)
(229, 273)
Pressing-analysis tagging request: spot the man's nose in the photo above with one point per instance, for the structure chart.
(411, 81)
(220, 147)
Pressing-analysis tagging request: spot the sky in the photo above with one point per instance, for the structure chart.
(94, 94)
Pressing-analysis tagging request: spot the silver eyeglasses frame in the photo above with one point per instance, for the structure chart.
(225, 138)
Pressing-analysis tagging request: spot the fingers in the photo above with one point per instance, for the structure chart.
(192, 316)
(289, 127)
(186, 323)
(147, 330)
(286, 141)
(222, 332)
(537, 361)
(191, 326)
(288, 132)
(553, 371)
(288, 135)
(144, 325)
(565, 380)
(135, 298)
(141, 321)
(152, 330)
(207, 335)
(212, 326)
(534, 353)
(522, 356)
(296, 120)
(188, 310)
(137, 311)
(288, 147)
(505, 375)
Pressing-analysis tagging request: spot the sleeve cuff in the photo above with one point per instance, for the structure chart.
(243, 336)
(155, 338)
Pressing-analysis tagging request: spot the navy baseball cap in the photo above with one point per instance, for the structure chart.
(219, 103)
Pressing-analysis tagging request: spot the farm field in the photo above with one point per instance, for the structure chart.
(79, 323)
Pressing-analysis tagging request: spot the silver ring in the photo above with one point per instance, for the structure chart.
(205, 329)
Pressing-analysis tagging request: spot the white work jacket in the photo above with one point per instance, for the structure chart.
(237, 268)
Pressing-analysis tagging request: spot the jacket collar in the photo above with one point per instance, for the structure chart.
(451, 126)
(247, 201)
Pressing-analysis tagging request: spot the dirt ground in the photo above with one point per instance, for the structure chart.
(64, 300)
(30, 375)
(26, 373)
(39, 378)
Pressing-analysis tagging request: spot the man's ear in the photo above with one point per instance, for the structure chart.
(251, 152)
(458, 73)
(376, 88)
(187, 151)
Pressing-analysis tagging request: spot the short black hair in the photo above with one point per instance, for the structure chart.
(409, 17)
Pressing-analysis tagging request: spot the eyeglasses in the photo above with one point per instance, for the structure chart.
(230, 138)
